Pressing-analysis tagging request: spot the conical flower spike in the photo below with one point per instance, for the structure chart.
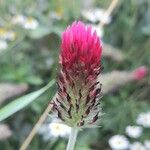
(77, 100)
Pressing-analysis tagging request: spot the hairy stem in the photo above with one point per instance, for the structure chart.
(72, 139)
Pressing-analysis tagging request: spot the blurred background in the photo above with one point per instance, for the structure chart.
(30, 36)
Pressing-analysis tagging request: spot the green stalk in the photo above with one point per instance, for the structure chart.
(72, 139)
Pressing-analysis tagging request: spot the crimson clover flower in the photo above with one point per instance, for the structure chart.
(77, 101)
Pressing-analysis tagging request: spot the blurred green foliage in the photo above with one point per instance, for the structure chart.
(32, 58)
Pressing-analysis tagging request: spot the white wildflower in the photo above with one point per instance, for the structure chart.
(3, 45)
(25, 22)
(18, 19)
(55, 15)
(99, 30)
(134, 131)
(97, 14)
(54, 129)
(11, 35)
(5, 131)
(7, 34)
(119, 142)
(89, 16)
(137, 146)
(59, 129)
(30, 23)
(144, 119)
(147, 144)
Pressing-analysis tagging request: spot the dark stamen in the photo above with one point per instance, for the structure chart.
(97, 104)
(80, 95)
(60, 115)
(68, 98)
(81, 123)
(59, 89)
(93, 86)
(61, 105)
(64, 90)
(61, 78)
(69, 111)
(87, 99)
(98, 91)
(77, 106)
(73, 85)
(95, 118)
(88, 110)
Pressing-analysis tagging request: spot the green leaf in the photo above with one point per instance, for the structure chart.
(34, 80)
(22, 102)
(39, 33)
(43, 31)
(146, 30)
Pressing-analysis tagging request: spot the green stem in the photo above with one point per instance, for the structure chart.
(72, 139)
